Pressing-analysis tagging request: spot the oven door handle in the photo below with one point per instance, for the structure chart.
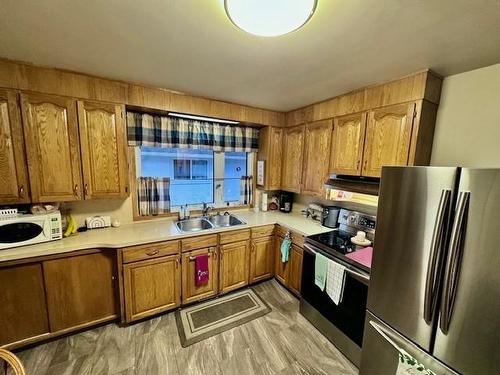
(365, 279)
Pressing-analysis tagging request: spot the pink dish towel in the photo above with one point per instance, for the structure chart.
(363, 256)
(201, 269)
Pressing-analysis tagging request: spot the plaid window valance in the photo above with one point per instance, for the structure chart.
(167, 132)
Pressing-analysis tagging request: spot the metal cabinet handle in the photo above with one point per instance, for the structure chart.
(21, 191)
(86, 189)
(453, 262)
(151, 253)
(76, 190)
(433, 274)
(357, 164)
(176, 263)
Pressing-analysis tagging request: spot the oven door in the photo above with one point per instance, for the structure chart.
(18, 233)
(349, 315)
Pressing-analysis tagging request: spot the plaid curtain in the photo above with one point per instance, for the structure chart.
(153, 195)
(246, 190)
(168, 132)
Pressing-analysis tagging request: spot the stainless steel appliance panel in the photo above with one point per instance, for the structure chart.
(468, 336)
(413, 215)
(380, 356)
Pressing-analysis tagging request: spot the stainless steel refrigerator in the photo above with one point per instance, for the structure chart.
(435, 278)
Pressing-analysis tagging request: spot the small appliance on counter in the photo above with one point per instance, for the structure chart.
(286, 201)
(28, 229)
(314, 211)
(330, 216)
(343, 322)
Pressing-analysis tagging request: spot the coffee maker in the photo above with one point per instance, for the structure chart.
(286, 201)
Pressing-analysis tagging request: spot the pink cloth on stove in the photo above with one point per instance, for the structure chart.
(363, 256)
(201, 268)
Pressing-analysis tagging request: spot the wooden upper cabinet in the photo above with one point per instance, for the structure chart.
(234, 266)
(388, 136)
(103, 147)
(293, 156)
(13, 174)
(271, 152)
(318, 137)
(80, 290)
(51, 131)
(347, 144)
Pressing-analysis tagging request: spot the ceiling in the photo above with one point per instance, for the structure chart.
(191, 46)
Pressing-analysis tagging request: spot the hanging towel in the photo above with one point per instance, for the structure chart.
(201, 270)
(320, 270)
(335, 281)
(285, 249)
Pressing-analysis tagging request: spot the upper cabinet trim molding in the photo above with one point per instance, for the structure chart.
(28, 77)
(423, 85)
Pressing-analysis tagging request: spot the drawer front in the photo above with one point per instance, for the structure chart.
(151, 251)
(297, 238)
(198, 242)
(234, 236)
(264, 231)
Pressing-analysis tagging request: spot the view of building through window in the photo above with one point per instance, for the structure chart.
(196, 176)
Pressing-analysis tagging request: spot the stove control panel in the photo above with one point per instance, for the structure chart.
(357, 220)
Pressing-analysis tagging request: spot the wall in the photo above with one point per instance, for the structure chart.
(468, 120)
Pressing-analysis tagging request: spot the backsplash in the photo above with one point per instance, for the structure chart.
(120, 209)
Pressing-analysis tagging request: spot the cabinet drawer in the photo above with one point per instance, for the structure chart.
(264, 231)
(234, 236)
(198, 242)
(151, 251)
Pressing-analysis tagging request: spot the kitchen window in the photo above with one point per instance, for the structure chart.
(196, 176)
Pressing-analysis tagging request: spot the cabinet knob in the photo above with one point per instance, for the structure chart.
(86, 189)
(76, 190)
(357, 164)
(21, 191)
(113, 277)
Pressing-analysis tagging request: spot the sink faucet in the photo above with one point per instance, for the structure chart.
(205, 210)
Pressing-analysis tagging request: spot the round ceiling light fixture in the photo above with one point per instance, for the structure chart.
(270, 17)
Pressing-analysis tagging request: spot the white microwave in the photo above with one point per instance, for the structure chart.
(29, 229)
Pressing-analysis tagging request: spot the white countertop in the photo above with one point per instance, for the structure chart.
(155, 231)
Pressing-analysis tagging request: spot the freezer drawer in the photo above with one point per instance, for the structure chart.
(468, 336)
(412, 220)
(380, 356)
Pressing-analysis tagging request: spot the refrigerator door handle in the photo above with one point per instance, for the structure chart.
(453, 262)
(437, 243)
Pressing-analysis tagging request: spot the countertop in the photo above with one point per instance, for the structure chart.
(155, 231)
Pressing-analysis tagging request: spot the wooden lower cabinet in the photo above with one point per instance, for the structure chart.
(23, 310)
(289, 273)
(261, 258)
(281, 269)
(80, 290)
(191, 292)
(295, 275)
(234, 266)
(151, 286)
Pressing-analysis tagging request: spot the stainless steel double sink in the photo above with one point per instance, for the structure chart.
(206, 223)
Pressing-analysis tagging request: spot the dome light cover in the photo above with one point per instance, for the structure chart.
(269, 17)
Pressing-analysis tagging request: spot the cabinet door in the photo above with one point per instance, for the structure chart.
(52, 147)
(261, 258)
(271, 152)
(347, 144)
(102, 140)
(388, 136)
(234, 262)
(316, 157)
(23, 312)
(13, 173)
(191, 292)
(295, 276)
(293, 150)
(281, 270)
(151, 287)
(80, 290)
